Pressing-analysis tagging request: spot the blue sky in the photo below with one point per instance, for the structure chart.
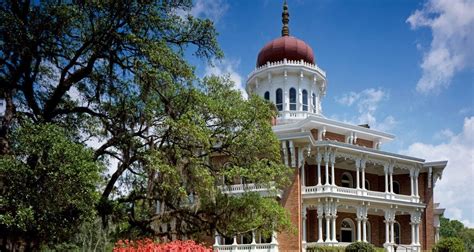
(405, 67)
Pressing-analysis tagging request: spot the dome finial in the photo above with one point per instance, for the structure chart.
(285, 19)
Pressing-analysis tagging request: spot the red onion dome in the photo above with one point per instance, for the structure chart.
(285, 47)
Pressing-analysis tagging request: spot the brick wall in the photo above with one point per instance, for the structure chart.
(314, 133)
(365, 143)
(335, 137)
(291, 201)
(426, 226)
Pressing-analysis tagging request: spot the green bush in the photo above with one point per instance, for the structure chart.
(450, 244)
(325, 249)
(360, 247)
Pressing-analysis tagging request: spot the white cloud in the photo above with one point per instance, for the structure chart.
(367, 102)
(454, 190)
(228, 67)
(452, 48)
(212, 9)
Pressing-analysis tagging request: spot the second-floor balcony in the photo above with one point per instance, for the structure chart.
(265, 190)
(356, 194)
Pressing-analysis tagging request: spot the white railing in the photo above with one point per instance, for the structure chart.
(288, 63)
(263, 189)
(294, 114)
(346, 190)
(268, 247)
(405, 248)
(314, 190)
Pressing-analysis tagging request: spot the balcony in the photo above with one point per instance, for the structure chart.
(263, 190)
(357, 194)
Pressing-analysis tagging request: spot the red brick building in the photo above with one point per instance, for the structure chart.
(344, 187)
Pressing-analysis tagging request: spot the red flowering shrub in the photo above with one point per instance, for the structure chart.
(147, 245)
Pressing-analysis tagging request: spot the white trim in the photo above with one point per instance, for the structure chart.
(314, 121)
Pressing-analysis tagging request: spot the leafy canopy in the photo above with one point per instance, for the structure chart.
(113, 73)
(51, 181)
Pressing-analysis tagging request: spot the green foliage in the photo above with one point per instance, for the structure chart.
(360, 247)
(51, 184)
(325, 249)
(450, 228)
(451, 244)
(454, 228)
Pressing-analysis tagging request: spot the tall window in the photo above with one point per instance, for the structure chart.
(396, 232)
(279, 99)
(314, 102)
(346, 180)
(267, 96)
(347, 231)
(396, 187)
(292, 99)
(305, 100)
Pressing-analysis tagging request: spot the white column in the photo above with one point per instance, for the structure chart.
(392, 234)
(303, 179)
(357, 163)
(386, 177)
(387, 232)
(304, 223)
(334, 228)
(391, 180)
(334, 217)
(318, 160)
(362, 166)
(333, 160)
(416, 184)
(411, 183)
(413, 235)
(417, 233)
(285, 152)
(358, 229)
(326, 160)
(320, 223)
(235, 240)
(328, 228)
(364, 230)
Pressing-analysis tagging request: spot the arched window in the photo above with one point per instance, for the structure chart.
(292, 99)
(267, 96)
(346, 180)
(305, 100)
(367, 184)
(396, 232)
(396, 187)
(347, 230)
(279, 99)
(314, 103)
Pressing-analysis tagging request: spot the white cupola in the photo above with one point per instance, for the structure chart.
(287, 75)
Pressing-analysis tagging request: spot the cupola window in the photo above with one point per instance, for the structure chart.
(279, 99)
(305, 100)
(314, 102)
(267, 96)
(292, 99)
